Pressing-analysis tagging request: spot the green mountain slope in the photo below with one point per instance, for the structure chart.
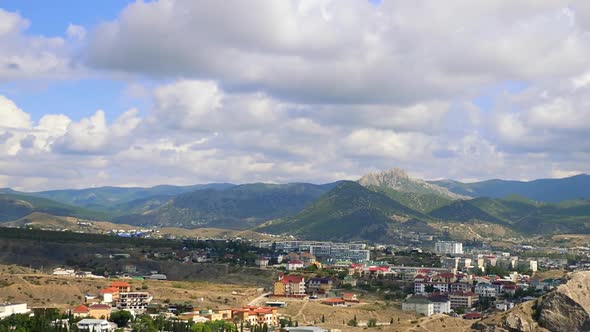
(544, 190)
(238, 207)
(420, 202)
(104, 198)
(347, 212)
(15, 206)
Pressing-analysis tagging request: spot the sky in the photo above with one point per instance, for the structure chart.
(134, 93)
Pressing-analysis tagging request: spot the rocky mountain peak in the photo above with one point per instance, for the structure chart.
(399, 180)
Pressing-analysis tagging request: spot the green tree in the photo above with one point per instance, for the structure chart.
(121, 318)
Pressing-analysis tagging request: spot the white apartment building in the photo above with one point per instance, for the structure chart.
(8, 309)
(448, 247)
(420, 306)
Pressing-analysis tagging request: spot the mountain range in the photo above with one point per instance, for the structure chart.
(373, 208)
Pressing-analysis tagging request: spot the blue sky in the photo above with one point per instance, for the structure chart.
(335, 89)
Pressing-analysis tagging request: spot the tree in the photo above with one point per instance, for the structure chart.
(121, 318)
(429, 288)
(372, 323)
(391, 321)
(323, 319)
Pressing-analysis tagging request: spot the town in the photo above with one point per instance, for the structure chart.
(440, 277)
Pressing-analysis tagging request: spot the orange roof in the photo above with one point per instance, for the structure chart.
(110, 290)
(334, 300)
(120, 284)
(81, 309)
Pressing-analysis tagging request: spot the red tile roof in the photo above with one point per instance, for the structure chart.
(120, 284)
(472, 315)
(333, 301)
(109, 290)
(81, 309)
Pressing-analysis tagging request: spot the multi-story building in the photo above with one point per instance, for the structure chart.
(441, 304)
(289, 285)
(485, 290)
(319, 285)
(418, 304)
(8, 309)
(463, 299)
(137, 301)
(448, 247)
(422, 287)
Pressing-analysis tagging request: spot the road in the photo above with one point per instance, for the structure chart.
(258, 299)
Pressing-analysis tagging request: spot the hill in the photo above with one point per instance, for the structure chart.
(347, 212)
(544, 190)
(103, 198)
(16, 206)
(398, 180)
(237, 207)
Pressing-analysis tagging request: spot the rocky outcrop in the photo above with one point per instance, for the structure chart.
(568, 307)
(397, 179)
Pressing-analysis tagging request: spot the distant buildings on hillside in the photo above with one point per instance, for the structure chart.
(448, 248)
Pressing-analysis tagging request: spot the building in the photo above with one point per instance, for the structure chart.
(423, 287)
(261, 261)
(121, 286)
(294, 265)
(81, 311)
(256, 315)
(110, 295)
(350, 297)
(137, 301)
(96, 325)
(288, 285)
(334, 302)
(99, 311)
(418, 304)
(463, 299)
(485, 290)
(319, 285)
(441, 304)
(448, 247)
(8, 309)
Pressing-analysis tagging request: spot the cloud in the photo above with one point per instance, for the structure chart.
(31, 57)
(76, 32)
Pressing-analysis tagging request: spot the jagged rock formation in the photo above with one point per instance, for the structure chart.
(566, 309)
(397, 179)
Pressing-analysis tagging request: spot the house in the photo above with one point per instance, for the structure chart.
(96, 325)
(349, 280)
(122, 286)
(418, 304)
(463, 299)
(289, 285)
(99, 311)
(319, 285)
(261, 261)
(256, 315)
(294, 265)
(194, 316)
(80, 311)
(472, 315)
(8, 309)
(110, 295)
(350, 297)
(441, 303)
(461, 286)
(334, 302)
